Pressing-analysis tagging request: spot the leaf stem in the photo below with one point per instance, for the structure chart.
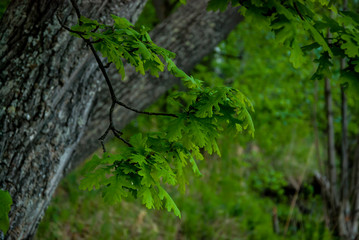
(114, 99)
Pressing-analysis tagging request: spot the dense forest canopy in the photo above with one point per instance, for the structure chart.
(295, 63)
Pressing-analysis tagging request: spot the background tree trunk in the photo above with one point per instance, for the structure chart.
(53, 100)
(163, 8)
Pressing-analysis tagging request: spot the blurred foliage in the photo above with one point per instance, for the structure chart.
(148, 17)
(221, 205)
(3, 6)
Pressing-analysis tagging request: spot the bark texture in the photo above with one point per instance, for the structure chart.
(54, 102)
(48, 84)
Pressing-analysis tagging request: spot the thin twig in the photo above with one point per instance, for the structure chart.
(108, 65)
(94, 30)
(112, 92)
(77, 9)
(114, 99)
(69, 29)
(102, 139)
(147, 113)
(116, 133)
(102, 68)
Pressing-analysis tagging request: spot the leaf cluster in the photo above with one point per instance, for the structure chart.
(153, 160)
(161, 158)
(331, 33)
(121, 41)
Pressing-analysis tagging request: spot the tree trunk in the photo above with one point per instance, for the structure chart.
(163, 8)
(332, 173)
(46, 98)
(344, 215)
(355, 192)
(53, 100)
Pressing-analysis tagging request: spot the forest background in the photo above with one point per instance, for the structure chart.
(261, 188)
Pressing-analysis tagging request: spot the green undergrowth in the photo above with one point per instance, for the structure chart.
(224, 204)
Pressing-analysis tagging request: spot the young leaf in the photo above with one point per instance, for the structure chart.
(195, 167)
(170, 204)
(318, 37)
(147, 198)
(5, 206)
(296, 56)
(121, 22)
(93, 179)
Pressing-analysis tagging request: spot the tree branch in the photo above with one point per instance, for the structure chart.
(147, 113)
(114, 99)
(77, 9)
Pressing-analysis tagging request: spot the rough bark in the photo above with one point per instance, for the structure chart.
(46, 97)
(53, 101)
